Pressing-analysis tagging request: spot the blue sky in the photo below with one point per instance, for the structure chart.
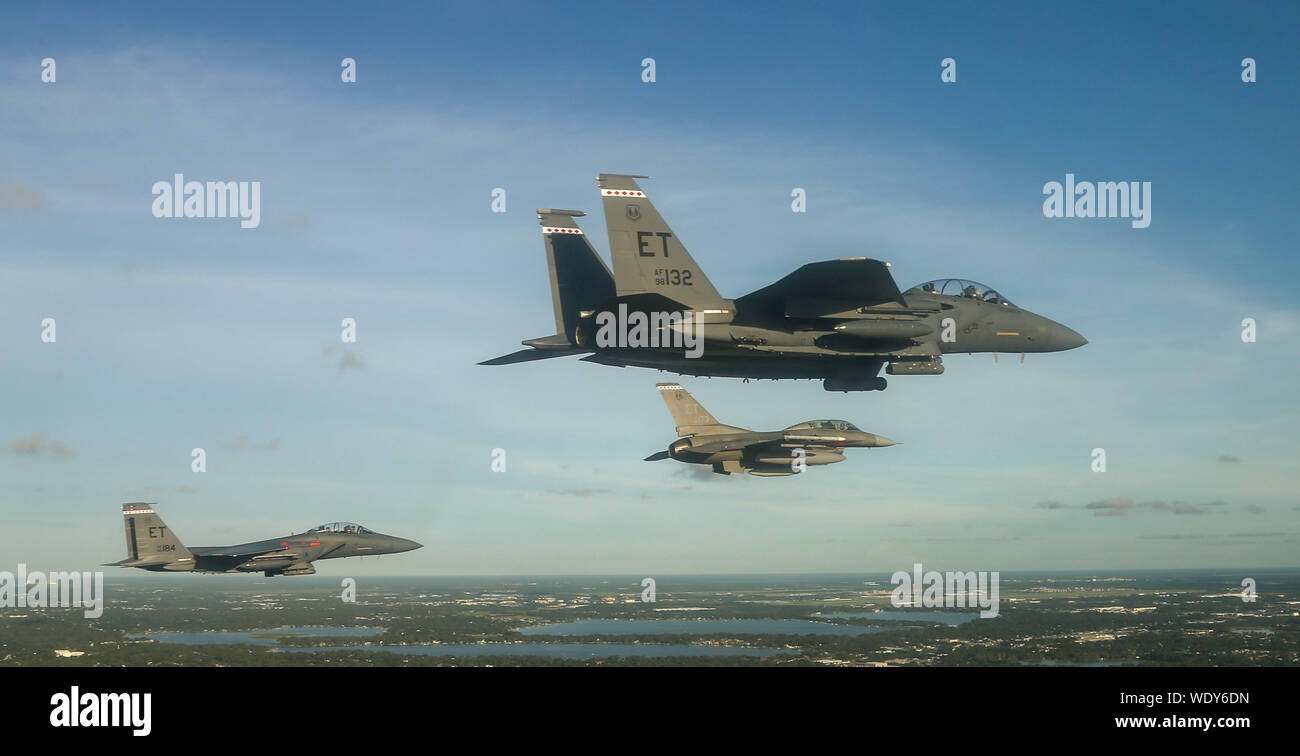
(175, 334)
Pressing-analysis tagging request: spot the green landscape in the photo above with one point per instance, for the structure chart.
(1156, 618)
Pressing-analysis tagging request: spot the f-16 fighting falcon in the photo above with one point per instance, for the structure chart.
(764, 453)
(151, 545)
(839, 321)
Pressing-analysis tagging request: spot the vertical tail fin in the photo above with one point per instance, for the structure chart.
(149, 540)
(691, 418)
(580, 280)
(647, 256)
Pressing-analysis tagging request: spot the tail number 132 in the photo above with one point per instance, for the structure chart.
(672, 277)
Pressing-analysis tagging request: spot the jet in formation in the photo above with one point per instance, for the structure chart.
(729, 449)
(151, 545)
(839, 321)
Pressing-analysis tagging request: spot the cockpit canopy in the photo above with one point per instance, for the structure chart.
(839, 425)
(339, 527)
(960, 287)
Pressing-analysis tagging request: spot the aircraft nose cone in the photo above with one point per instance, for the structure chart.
(882, 441)
(1065, 338)
(404, 544)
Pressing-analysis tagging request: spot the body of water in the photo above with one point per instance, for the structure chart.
(701, 627)
(260, 637)
(947, 618)
(1052, 663)
(557, 650)
(551, 650)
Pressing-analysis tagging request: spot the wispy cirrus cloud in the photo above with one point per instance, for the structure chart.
(1118, 506)
(38, 444)
(243, 442)
(579, 492)
(19, 197)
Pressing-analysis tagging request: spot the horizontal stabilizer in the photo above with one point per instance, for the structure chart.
(657, 456)
(528, 355)
(128, 563)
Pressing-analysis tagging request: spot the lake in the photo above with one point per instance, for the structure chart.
(260, 637)
(557, 650)
(701, 627)
(551, 650)
(947, 618)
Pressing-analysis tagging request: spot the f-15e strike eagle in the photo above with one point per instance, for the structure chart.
(764, 453)
(151, 545)
(837, 320)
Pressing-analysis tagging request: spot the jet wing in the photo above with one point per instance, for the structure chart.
(860, 281)
(764, 441)
(734, 443)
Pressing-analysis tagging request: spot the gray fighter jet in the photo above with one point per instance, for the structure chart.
(839, 321)
(729, 449)
(151, 545)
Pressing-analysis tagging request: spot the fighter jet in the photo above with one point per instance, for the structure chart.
(729, 449)
(839, 321)
(151, 545)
